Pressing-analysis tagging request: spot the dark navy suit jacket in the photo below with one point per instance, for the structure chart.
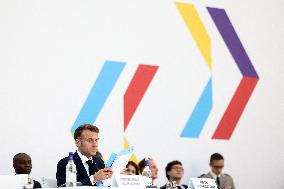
(82, 175)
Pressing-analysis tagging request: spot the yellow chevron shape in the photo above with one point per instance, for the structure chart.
(197, 29)
(126, 146)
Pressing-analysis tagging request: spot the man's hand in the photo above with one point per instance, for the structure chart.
(103, 174)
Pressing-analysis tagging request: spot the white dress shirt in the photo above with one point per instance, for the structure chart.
(214, 175)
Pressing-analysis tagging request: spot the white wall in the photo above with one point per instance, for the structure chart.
(51, 53)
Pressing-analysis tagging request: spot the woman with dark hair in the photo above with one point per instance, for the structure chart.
(131, 169)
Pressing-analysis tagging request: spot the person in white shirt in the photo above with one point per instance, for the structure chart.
(22, 164)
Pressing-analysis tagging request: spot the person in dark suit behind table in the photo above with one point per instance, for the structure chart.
(90, 168)
(223, 180)
(22, 164)
(174, 172)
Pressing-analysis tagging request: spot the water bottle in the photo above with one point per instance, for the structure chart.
(30, 183)
(71, 177)
(147, 174)
(44, 182)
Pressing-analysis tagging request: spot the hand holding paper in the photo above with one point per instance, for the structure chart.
(118, 163)
(103, 174)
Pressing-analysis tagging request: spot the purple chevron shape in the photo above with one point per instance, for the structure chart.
(232, 41)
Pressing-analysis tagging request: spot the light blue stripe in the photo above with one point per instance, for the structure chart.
(112, 158)
(200, 113)
(130, 150)
(99, 93)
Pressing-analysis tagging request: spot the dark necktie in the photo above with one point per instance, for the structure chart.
(91, 167)
(179, 187)
(218, 181)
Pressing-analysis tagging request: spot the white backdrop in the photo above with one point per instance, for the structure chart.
(51, 53)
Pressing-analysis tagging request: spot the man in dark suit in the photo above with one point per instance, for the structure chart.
(22, 164)
(174, 172)
(90, 168)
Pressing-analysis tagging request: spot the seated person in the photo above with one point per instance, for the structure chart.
(22, 164)
(174, 172)
(153, 167)
(223, 181)
(90, 168)
(131, 169)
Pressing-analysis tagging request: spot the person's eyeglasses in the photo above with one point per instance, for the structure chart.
(178, 168)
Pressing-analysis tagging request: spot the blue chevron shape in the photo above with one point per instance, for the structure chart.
(198, 117)
(99, 93)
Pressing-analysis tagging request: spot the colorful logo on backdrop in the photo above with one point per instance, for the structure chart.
(144, 75)
(230, 118)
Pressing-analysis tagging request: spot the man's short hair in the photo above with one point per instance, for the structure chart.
(170, 165)
(81, 128)
(216, 156)
(16, 157)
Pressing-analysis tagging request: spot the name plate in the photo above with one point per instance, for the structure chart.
(13, 181)
(129, 181)
(202, 183)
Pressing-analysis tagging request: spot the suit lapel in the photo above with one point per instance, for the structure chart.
(210, 175)
(99, 164)
(80, 167)
(222, 181)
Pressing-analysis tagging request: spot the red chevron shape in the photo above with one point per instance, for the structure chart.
(235, 109)
(136, 90)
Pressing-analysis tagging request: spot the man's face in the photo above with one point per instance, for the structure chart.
(176, 172)
(23, 164)
(154, 169)
(217, 166)
(87, 144)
